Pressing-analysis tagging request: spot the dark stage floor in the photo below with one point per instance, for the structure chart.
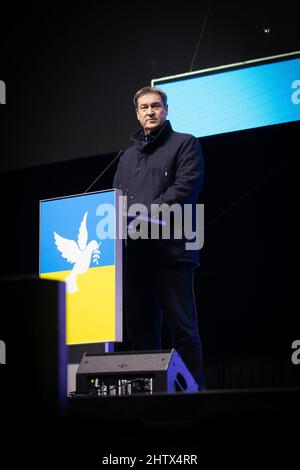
(216, 426)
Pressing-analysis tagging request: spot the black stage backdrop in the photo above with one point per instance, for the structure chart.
(70, 72)
(71, 69)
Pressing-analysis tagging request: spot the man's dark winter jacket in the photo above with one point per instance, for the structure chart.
(166, 169)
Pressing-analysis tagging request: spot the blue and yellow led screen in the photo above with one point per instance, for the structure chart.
(234, 98)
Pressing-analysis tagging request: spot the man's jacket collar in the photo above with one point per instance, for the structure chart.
(164, 131)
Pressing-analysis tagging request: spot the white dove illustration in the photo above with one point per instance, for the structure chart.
(79, 253)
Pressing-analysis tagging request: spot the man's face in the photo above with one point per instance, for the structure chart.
(151, 112)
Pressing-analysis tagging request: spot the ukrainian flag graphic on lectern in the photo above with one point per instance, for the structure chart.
(79, 245)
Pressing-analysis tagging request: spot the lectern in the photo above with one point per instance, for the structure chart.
(80, 245)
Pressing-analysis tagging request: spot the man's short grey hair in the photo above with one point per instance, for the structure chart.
(148, 89)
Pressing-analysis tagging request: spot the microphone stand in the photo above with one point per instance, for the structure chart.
(105, 169)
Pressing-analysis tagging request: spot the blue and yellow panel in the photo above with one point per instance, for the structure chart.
(79, 245)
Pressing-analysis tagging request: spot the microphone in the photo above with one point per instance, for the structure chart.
(105, 169)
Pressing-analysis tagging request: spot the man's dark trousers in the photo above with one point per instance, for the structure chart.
(150, 289)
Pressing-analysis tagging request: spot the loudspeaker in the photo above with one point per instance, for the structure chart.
(143, 372)
(75, 353)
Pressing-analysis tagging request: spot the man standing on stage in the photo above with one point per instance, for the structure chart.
(161, 167)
